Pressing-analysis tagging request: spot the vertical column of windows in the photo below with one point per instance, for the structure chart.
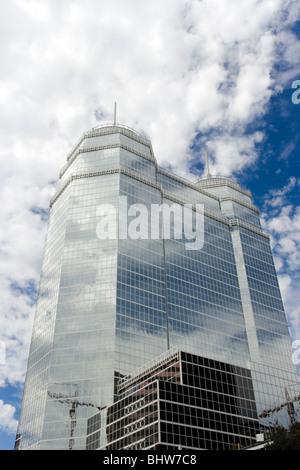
(205, 310)
(141, 317)
(268, 311)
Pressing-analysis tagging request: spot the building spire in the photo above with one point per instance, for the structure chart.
(208, 175)
(115, 114)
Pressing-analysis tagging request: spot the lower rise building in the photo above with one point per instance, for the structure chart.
(180, 401)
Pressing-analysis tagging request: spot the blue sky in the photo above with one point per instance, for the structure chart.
(218, 72)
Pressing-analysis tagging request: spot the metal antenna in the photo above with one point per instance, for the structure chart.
(115, 114)
(208, 175)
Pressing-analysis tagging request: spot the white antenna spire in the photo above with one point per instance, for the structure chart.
(208, 175)
(115, 114)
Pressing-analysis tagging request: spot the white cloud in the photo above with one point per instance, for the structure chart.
(289, 286)
(283, 224)
(174, 67)
(233, 154)
(177, 68)
(7, 421)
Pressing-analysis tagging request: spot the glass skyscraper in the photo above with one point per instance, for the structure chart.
(138, 261)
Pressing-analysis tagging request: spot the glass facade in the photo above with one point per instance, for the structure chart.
(111, 299)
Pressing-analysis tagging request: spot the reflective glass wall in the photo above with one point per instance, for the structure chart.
(117, 291)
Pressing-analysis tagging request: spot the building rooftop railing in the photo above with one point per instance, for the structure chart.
(148, 367)
(117, 125)
(213, 181)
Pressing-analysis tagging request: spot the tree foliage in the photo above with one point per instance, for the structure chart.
(285, 439)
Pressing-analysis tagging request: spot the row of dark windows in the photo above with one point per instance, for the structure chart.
(214, 365)
(186, 437)
(219, 402)
(205, 418)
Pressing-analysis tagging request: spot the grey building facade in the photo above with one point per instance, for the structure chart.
(120, 285)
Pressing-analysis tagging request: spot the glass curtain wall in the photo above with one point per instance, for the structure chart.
(109, 304)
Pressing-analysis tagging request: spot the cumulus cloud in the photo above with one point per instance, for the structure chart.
(181, 71)
(282, 221)
(175, 67)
